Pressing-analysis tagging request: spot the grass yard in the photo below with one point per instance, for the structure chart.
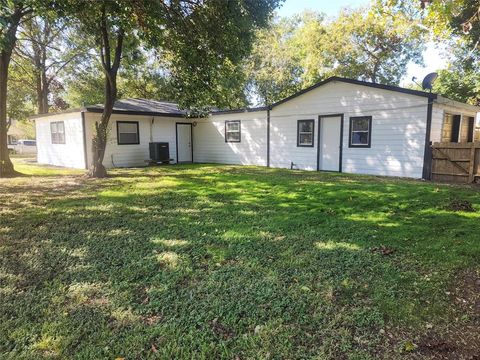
(236, 263)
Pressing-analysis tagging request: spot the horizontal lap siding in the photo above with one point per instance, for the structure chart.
(398, 129)
(162, 130)
(283, 145)
(70, 154)
(209, 144)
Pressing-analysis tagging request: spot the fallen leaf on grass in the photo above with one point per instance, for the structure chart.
(409, 346)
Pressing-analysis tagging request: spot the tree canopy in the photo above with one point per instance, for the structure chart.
(373, 44)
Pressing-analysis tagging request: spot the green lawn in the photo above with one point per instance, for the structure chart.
(236, 263)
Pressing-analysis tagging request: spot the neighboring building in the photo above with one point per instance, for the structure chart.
(336, 125)
(19, 138)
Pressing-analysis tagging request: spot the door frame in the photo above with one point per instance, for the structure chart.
(320, 117)
(176, 139)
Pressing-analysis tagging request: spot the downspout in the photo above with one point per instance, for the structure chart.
(85, 157)
(151, 128)
(427, 156)
(268, 136)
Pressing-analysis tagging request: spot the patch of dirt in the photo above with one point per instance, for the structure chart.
(39, 191)
(465, 293)
(152, 320)
(434, 344)
(383, 250)
(221, 330)
(460, 205)
(458, 340)
(454, 342)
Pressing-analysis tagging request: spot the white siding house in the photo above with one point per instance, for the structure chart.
(336, 125)
(211, 145)
(398, 124)
(150, 129)
(67, 150)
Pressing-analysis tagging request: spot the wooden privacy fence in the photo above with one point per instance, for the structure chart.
(456, 162)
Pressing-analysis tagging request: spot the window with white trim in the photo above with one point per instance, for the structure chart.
(360, 131)
(233, 131)
(305, 133)
(57, 132)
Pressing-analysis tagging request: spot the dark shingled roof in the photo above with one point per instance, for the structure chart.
(141, 106)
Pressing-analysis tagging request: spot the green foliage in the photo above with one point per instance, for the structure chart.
(376, 45)
(22, 129)
(457, 23)
(21, 90)
(273, 69)
(459, 84)
(85, 86)
(221, 262)
(373, 44)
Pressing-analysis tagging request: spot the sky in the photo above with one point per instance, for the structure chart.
(432, 56)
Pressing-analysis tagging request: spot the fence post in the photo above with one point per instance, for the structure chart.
(471, 175)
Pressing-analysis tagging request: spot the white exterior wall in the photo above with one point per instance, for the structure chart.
(437, 123)
(398, 129)
(162, 129)
(209, 144)
(70, 154)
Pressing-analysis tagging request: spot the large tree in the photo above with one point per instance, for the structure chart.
(457, 24)
(12, 12)
(373, 44)
(203, 41)
(44, 43)
(274, 68)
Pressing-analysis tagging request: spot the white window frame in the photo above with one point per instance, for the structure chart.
(229, 131)
(57, 137)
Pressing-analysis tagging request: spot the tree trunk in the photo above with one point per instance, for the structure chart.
(6, 166)
(9, 40)
(110, 70)
(99, 143)
(42, 91)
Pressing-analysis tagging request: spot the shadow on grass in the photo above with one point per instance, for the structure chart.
(215, 261)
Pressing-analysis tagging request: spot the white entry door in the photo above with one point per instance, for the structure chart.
(184, 142)
(330, 142)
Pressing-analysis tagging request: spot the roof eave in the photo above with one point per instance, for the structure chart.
(361, 83)
(239, 111)
(442, 100)
(133, 112)
(68, 111)
(98, 110)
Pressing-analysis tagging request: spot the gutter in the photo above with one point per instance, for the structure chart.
(268, 136)
(85, 157)
(427, 154)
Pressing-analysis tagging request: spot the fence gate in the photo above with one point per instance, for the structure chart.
(456, 162)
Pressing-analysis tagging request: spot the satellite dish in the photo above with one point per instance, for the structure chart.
(427, 83)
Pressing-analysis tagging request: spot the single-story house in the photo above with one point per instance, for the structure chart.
(338, 124)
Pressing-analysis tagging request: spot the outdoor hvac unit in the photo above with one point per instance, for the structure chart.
(159, 152)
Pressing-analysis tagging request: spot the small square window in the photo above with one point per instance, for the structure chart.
(127, 133)
(305, 135)
(233, 131)
(57, 132)
(360, 131)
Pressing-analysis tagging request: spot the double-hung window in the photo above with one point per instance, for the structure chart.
(360, 132)
(57, 132)
(233, 131)
(305, 133)
(127, 133)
